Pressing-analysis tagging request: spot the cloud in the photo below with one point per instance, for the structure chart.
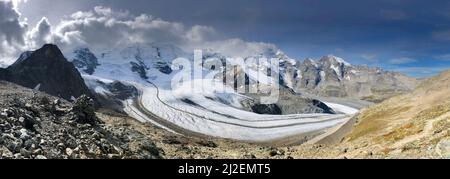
(103, 28)
(445, 57)
(11, 32)
(441, 35)
(370, 57)
(239, 48)
(391, 14)
(402, 60)
(421, 71)
(15, 3)
(11, 29)
(40, 34)
(106, 28)
(201, 33)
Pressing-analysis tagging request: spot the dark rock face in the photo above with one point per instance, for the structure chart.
(266, 109)
(85, 60)
(139, 68)
(121, 91)
(291, 103)
(323, 106)
(164, 68)
(288, 103)
(3, 73)
(117, 93)
(48, 70)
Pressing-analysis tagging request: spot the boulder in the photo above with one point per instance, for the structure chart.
(83, 111)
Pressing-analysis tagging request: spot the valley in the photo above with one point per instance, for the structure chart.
(208, 112)
(208, 123)
(255, 79)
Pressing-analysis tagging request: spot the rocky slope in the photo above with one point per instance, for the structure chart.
(414, 122)
(413, 125)
(34, 125)
(47, 70)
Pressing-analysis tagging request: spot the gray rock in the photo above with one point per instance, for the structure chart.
(6, 153)
(249, 156)
(40, 157)
(83, 110)
(69, 152)
(208, 143)
(58, 134)
(274, 152)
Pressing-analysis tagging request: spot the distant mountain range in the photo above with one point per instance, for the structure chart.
(329, 76)
(332, 76)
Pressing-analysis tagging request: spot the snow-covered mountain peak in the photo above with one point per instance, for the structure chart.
(284, 58)
(334, 60)
(310, 62)
(84, 59)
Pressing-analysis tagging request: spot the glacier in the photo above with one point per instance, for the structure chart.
(210, 109)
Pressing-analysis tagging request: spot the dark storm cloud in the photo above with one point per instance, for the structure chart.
(12, 31)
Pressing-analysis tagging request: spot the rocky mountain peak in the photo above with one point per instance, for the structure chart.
(333, 76)
(47, 53)
(85, 60)
(331, 59)
(47, 69)
(23, 56)
(50, 51)
(309, 62)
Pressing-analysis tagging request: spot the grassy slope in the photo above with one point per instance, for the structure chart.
(414, 121)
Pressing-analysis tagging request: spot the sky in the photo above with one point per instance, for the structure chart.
(409, 36)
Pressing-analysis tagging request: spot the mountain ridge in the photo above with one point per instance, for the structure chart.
(332, 76)
(46, 69)
(329, 76)
(410, 122)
